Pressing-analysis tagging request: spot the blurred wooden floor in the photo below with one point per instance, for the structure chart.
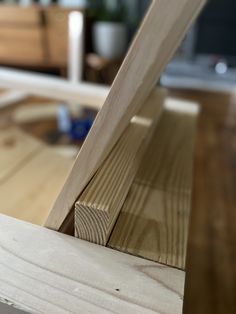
(211, 263)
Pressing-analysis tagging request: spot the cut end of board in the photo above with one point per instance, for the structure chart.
(98, 207)
(91, 224)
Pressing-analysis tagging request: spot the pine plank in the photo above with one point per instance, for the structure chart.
(16, 148)
(42, 271)
(167, 165)
(99, 205)
(163, 28)
(154, 219)
(30, 191)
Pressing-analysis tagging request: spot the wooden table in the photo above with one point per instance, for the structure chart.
(211, 263)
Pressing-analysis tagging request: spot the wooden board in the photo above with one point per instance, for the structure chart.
(98, 207)
(31, 176)
(150, 52)
(34, 112)
(15, 150)
(155, 217)
(211, 271)
(42, 271)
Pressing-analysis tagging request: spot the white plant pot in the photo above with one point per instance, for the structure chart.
(110, 39)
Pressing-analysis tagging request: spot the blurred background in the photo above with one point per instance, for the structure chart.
(39, 40)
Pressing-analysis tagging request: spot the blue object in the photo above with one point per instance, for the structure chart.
(80, 128)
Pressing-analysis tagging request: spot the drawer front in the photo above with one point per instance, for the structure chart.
(15, 15)
(21, 45)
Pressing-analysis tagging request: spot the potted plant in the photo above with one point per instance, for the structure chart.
(110, 35)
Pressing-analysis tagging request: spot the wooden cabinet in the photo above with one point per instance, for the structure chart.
(34, 36)
(57, 34)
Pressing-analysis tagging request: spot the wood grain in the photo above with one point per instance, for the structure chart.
(31, 176)
(211, 259)
(43, 271)
(168, 163)
(154, 45)
(154, 220)
(15, 150)
(99, 205)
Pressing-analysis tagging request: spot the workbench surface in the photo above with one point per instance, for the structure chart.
(211, 272)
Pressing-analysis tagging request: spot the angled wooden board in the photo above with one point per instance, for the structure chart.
(164, 26)
(43, 271)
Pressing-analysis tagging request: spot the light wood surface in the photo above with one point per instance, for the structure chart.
(30, 113)
(210, 275)
(31, 176)
(154, 45)
(15, 150)
(98, 207)
(43, 271)
(154, 220)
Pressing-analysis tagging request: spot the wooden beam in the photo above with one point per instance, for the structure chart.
(153, 47)
(42, 271)
(98, 207)
(154, 220)
(87, 94)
